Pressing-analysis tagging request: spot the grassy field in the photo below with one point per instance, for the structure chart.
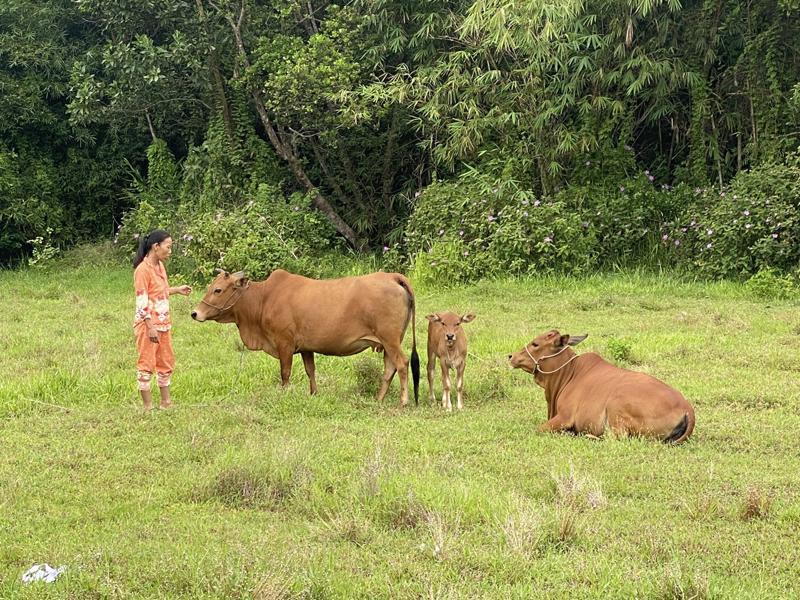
(243, 490)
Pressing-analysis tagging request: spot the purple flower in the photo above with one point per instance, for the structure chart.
(628, 148)
(647, 172)
(525, 213)
(677, 242)
(665, 237)
(692, 224)
(774, 236)
(697, 191)
(622, 189)
(296, 208)
(441, 231)
(386, 248)
(466, 252)
(417, 193)
(537, 203)
(136, 236)
(548, 239)
(651, 178)
(588, 162)
(721, 194)
(491, 218)
(746, 213)
(709, 231)
(525, 202)
(735, 197)
(709, 244)
(683, 229)
(748, 226)
(461, 233)
(585, 225)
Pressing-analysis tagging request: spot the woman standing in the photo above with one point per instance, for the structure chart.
(152, 323)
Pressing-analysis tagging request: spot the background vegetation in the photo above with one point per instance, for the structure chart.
(247, 491)
(561, 136)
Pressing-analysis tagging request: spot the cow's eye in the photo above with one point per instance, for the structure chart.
(218, 291)
(534, 344)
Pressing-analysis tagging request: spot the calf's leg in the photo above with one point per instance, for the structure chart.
(446, 386)
(460, 385)
(431, 369)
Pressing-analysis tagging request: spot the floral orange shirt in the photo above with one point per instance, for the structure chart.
(152, 295)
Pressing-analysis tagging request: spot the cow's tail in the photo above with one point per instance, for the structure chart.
(414, 356)
(683, 429)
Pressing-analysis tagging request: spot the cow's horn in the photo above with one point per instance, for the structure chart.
(238, 274)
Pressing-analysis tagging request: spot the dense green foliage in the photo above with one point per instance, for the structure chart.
(381, 113)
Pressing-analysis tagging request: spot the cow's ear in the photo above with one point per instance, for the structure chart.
(467, 318)
(242, 281)
(573, 340)
(434, 318)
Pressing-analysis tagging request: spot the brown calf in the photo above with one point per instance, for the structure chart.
(448, 342)
(289, 314)
(586, 394)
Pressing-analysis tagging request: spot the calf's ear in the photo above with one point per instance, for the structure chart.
(573, 340)
(467, 318)
(433, 318)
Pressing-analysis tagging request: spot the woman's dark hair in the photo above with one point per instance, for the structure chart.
(146, 242)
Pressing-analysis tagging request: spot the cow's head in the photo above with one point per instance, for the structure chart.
(448, 325)
(548, 347)
(222, 294)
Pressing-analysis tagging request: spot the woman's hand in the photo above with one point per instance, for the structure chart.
(183, 290)
(152, 333)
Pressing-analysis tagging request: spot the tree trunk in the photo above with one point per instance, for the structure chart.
(286, 152)
(217, 79)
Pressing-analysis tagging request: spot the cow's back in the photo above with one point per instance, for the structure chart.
(604, 392)
(331, 315)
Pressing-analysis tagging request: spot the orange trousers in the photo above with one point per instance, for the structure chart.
(154, 358)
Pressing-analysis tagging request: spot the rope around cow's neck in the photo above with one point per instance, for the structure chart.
(220, 310)
(539, 368)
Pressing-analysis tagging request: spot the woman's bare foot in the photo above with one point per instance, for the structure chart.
(147, 399)
(166, 402)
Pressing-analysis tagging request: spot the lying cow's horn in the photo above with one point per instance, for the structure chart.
(220, 271)
(239, 274)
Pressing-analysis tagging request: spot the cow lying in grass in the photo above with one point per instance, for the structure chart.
(447, 342)
(586, 394)
(289, 314)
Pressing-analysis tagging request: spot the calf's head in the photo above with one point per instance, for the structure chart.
(446, 326)
(222, 294)
(550, 345)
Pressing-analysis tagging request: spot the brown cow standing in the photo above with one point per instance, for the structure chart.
(448, 342)
(586, 394)
(289, 314)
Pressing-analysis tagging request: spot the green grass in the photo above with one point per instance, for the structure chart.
(244, 490)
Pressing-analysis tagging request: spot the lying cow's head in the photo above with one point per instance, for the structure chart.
(222, 294)
(545, 351)
(448, 325)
